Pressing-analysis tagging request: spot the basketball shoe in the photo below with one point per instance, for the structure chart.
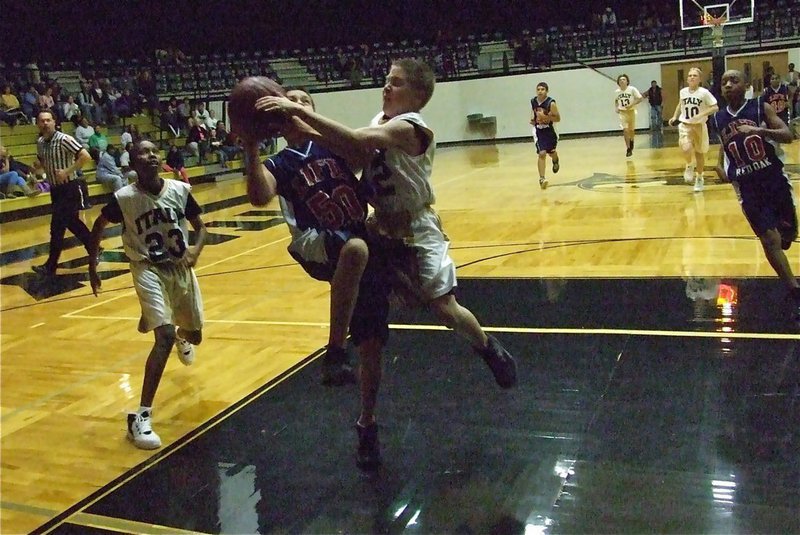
(556, 166)
(500, 362)
(185, 351)
(543, 183)
(140, 431)
(336, 369)
(368, 455)
(699, 183)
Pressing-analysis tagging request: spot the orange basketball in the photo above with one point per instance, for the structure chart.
(245, 120)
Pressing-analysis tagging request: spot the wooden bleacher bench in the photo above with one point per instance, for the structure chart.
(21, 144)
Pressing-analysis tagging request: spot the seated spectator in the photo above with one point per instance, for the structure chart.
(90, 109)
(98, 140)
(10, 107)
(83, 132)
(200, 116)
(147, 90)
(103, 103)
(182, 109)
(70, 110)
(107, 171)
(11, 181)
(125, 162)
(124, 106)
(197, 140)
(169, 120)
(30, 102)
(211, 121)
(46, 102)
(174, 163)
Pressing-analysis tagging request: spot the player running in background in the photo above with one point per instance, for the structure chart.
(626, 98)
(695, 105)
(544, 113)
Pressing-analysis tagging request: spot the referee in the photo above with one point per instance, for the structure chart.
(60, 156)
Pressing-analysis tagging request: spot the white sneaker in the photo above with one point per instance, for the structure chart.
(688, 174)
(185, 351)
(699, 183)
(543, 183)
(140, 431)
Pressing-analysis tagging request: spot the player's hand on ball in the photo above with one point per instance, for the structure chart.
(279, 104)
(671, 121)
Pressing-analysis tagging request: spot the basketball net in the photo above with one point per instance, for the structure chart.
(716, 24)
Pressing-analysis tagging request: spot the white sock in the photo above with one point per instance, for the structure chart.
(142, 409)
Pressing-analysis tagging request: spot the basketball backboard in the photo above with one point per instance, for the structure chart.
(704, 13)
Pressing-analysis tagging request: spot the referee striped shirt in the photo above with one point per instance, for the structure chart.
(57, 153)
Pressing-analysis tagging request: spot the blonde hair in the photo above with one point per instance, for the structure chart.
(420, 77)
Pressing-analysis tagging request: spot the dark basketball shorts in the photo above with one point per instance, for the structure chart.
(768, 203)
(546, 139)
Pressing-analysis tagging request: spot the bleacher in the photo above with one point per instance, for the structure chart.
(20, 141)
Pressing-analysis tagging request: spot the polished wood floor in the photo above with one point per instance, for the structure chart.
(72, 363)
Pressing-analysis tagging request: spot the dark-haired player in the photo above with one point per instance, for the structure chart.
(544, 113)
(746, 129)
(153, 213)
(319, 198)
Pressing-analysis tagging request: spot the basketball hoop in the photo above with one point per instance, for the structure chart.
(716, 24)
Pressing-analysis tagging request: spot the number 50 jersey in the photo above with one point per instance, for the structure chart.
(153, 226)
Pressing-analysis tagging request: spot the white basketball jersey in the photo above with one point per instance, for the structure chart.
(401, 182)
(154, 226)
(625, 99)
(694, 102)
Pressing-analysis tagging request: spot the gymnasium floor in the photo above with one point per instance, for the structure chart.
(659, 372)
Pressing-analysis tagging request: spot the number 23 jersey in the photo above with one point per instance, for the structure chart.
(154, 226)
(693, 103)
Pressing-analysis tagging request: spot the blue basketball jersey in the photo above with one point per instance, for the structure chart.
(545, 107)
(320, 189)
(747, 156)
(778, 99)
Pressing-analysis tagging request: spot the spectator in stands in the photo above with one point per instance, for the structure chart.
(10, 180)
(124, 106)
(103, 103)
(30, 101)
(182, 109)
(147, 90)
(126, 136)
(230, 142)
(98, 140)
(88, 105)
(200, 116)
(107, 171)
(83, 132)
(10, 106)
(45, 100)
(609, 19)
(175, 164)
(211, 121)
(169, 120)
(70, 111)
(654, 97)
(125, 162)
(197, 140)
(792, 82)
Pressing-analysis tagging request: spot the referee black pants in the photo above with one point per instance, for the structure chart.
(67, 202)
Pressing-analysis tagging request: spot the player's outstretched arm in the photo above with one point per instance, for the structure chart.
(261, 184)
(94, 248)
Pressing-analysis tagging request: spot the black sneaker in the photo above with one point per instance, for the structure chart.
(336, 369)
(629, 153)
(368, 456)
(500, 362)
(556, 166)
(44, 270)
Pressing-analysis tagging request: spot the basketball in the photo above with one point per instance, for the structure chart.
(245, 120)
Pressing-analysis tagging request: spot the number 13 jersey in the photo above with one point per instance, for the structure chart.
(695, 102)
(154, 226)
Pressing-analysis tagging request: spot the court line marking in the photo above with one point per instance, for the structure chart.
(512, 330)
(201, 268)
(180, 443)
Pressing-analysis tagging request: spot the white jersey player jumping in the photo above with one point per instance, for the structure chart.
(695, 105)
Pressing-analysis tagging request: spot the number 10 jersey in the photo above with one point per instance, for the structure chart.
(693, 103)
